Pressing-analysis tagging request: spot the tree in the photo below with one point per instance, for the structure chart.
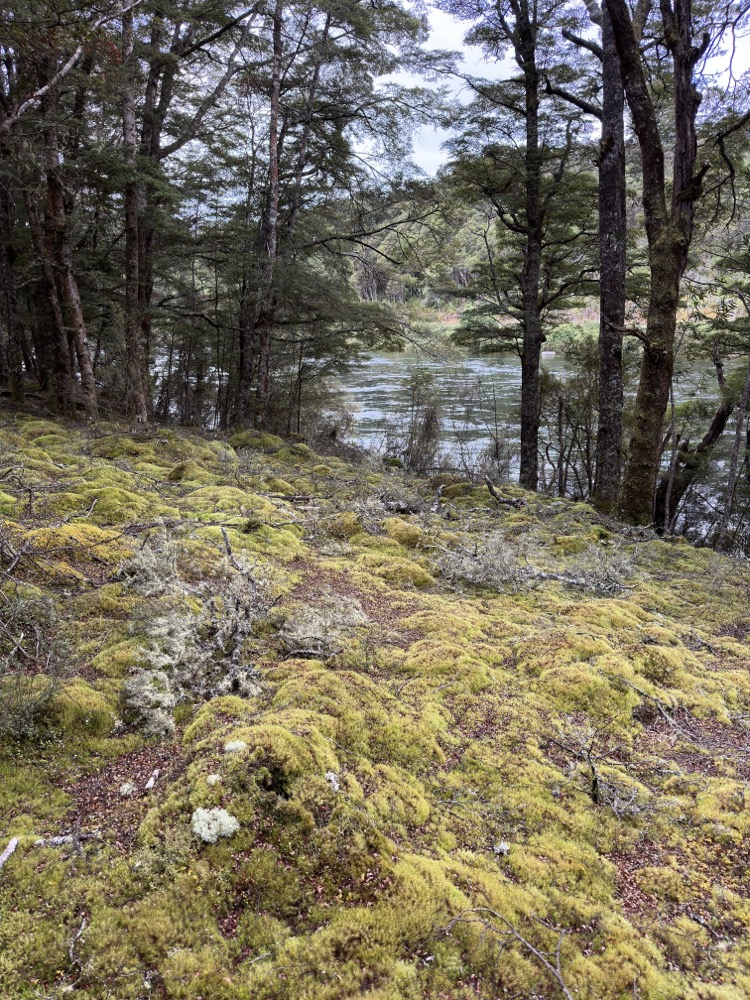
(527, 32)
(669, 212)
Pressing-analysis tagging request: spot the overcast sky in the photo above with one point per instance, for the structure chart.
(447, 34)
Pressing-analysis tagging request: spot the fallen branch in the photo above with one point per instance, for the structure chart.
(485, 916)
(503, 501)
(74, 960)
(66, 838)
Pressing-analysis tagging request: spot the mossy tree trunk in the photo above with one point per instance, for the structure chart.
(137, 403)
(612, 245)
(669, 229)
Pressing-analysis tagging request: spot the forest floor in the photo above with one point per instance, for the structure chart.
(317, 730)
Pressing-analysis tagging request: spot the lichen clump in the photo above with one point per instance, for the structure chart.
(210, 824)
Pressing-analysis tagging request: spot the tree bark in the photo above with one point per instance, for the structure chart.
(44, 247)
(668, 229)
(137, 401)
(723, 541)
(264, 322)
(56, 223)
(533, 337)
(612, 247)
(11, 364)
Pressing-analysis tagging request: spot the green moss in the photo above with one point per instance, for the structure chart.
(344, 525)
(121, 447)
(256, 441)
(570, 545)
(190, 472)
(409, 535)
(79, 707)
(401, 572)
(442, 761)
(295, 453)
(78, 544)
(9, 505)
(277, 485)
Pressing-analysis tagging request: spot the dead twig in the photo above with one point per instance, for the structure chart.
(8, 850)
(503, 501)
(488, 919)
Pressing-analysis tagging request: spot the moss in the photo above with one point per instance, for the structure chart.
(79, 707)
(456, 490)
(190, 472)
(231, 500)
(344, 525)
(112, 447)
(256, 441)
(569, 545)
(295, 453)
(32, 429)
(438, 763)
(117, 659)
(79, 544)
(9, 505)
(409, 535)
(401, 572)
(277, 485)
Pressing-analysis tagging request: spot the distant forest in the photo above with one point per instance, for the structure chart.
(208, 211)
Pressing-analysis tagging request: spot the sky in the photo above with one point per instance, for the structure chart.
(447, 33)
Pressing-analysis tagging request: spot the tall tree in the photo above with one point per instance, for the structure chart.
(669, 211)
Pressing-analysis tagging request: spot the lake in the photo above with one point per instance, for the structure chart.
(470, 393)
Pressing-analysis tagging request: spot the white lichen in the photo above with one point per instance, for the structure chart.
(210, 824)
(128, 789)
(235, 746)
(213, 779)
(333, 780)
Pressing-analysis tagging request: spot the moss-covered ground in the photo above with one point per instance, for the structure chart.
(488, 750)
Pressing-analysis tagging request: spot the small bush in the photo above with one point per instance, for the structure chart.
(320, 631)
(33, 663)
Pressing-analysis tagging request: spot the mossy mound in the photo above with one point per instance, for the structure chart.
(511, 759)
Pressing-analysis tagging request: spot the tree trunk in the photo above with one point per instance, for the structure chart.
(652, 399)
(612, 246)
(668, 229)
(264, 322)
(12, 349)
(57, 224)
(44, 247)
(137, 402)
(533, 338)
(723, 541)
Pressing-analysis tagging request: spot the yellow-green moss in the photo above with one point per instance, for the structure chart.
(79, 707)
(409, 535)
(344, 525)
(443, 761)
(257, 441)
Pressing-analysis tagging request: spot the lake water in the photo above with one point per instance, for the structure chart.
(471, 393)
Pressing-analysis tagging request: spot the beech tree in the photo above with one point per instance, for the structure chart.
(669, 213)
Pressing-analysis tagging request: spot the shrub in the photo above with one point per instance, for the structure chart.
(33, 663)
(319, 631)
